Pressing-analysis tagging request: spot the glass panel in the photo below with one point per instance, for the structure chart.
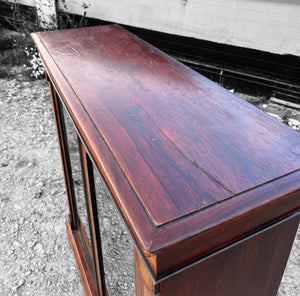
(116, 244)
(76, 171)
(117, 247)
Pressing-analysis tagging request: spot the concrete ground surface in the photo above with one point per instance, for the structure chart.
(35, 256)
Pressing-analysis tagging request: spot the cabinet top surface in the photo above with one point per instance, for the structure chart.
(183, 143)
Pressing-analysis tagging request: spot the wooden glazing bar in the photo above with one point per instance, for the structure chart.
(65, 156)
(91, 205)
(87, 250)
(80, 255)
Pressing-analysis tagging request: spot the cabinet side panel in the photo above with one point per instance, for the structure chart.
(253, 266)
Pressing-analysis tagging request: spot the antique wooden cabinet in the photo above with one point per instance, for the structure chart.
(208, 186)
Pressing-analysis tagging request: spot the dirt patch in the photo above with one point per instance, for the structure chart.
(35, 256)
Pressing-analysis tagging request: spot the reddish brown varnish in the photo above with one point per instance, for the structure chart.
(80, 257)
(191, 166)
(250, 267)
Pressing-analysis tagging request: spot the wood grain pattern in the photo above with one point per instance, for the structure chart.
(91, 206)
(65, 157)
(163, 113)
(86, 277)
(253, 266)
(144, 286)
(187, 162)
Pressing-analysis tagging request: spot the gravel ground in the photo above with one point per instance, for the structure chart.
(35, 257)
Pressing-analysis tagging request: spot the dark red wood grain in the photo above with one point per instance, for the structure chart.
(187, 161)
(253, 266)
(86, 277)
(176, 126)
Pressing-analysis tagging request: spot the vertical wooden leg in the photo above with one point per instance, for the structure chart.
(143, 283)
(91, 204)
(65, 157)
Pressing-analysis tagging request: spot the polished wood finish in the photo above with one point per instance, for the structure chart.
(253, 266)
(144, 285)
(127, 95)
(192, 168)
(85, 274)
(65, 157)
(91, 205)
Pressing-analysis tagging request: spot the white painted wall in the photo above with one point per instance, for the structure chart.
(268, 25)
(46, 11)
(24, 2)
